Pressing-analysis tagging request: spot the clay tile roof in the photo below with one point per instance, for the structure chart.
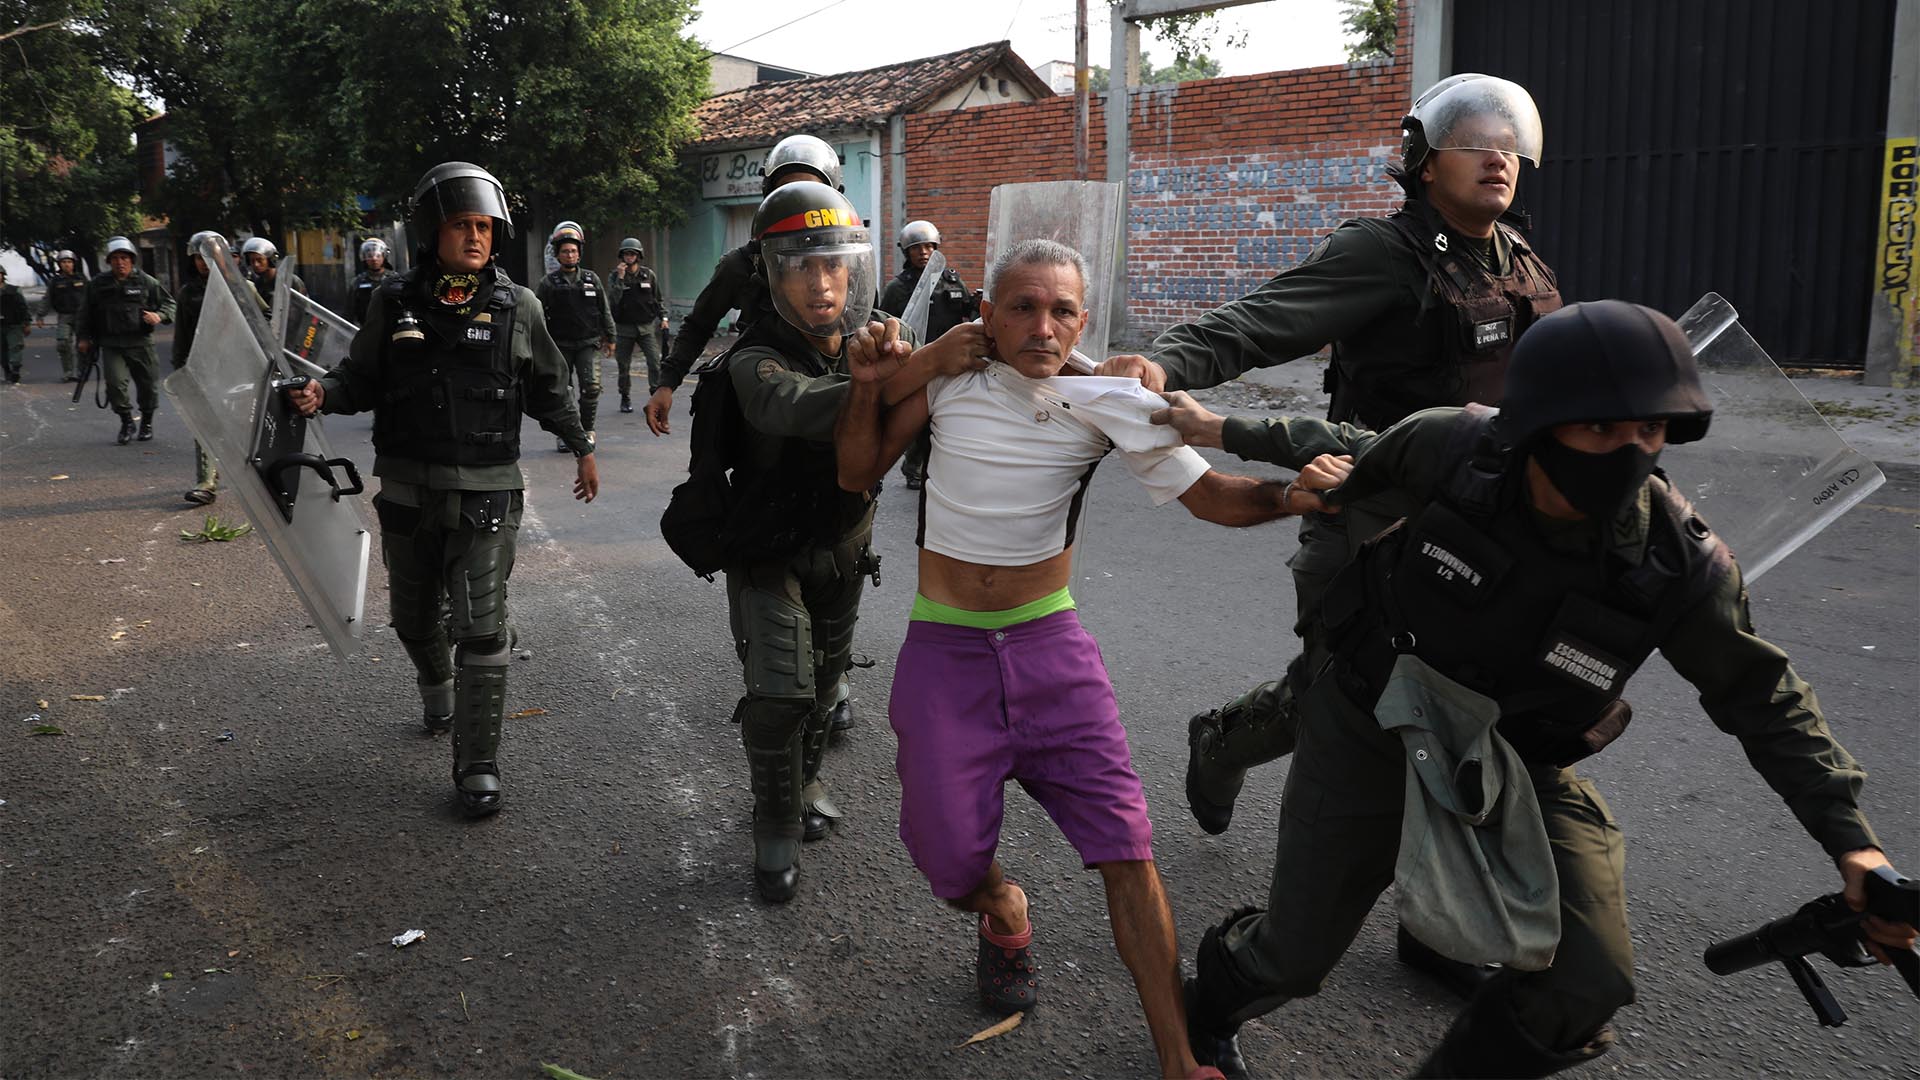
(768, 111)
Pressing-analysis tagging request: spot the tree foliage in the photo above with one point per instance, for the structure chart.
(1371, 27)
(66, 129)
(1197, 67)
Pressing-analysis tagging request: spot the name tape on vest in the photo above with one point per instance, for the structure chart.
(1581, 663)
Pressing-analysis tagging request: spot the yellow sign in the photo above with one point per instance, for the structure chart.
(1893, 269)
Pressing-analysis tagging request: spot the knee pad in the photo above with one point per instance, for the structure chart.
(779, 647)
(493, 652)
(768, 723)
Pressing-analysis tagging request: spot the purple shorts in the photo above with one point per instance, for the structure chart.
(1029, 702)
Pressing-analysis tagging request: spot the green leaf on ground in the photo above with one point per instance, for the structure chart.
(558, 1072)
(216, 530)
(46, 729)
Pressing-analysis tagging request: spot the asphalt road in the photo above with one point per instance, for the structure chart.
(203, 873)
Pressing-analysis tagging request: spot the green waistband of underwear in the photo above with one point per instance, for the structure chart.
(925, 610)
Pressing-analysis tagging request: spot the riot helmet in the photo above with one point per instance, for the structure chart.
(260, 245)
(64, 255)
(632, 244)
(915, 233)
(116, 244)
(449, 189)
(801, 153)
(567, 233)
(194, 243)
(1467, 112)
(372, 246)
(1604, 360)
(818, 258)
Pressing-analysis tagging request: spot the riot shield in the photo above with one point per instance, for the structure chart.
(1081, 214)
(279, 303)
(229, 398)
(921, 302)
(314, 338)
(1772, 473)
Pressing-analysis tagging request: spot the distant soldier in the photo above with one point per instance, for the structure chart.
(186, 322)
(65, 290)
(948, 306)
(15, 320)
(635, 295)
(121, 308)
(373, 270)
(262, 261)
(579, 320)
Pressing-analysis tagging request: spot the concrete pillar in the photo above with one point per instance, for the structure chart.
(1432, 43)
(897, 186)
(1893, 327)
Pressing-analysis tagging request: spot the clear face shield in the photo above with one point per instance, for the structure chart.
(1483, 114)
(822, 283)
(471, 194)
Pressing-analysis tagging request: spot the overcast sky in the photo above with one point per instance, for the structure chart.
(855, 34)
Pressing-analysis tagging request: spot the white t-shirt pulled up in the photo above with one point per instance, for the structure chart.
(1012, 458)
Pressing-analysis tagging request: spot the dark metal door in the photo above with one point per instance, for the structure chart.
(1725, 145)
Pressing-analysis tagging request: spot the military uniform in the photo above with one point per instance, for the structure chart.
(448, 385)
(793, 611)
(1419, 315)
(65, 292)
(579, 321)
(15, 316)
(949, 306)
(736, 284)
(364, 285)
(110, 318)
(636, 313)
(1549, 618)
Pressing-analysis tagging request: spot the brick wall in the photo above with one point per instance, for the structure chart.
(1229, 180)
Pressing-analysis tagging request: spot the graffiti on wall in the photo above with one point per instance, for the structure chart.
(1893, 272)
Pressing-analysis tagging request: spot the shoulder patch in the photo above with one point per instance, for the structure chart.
(767, 369)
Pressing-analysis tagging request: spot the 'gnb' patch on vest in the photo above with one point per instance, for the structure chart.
(1583, 664)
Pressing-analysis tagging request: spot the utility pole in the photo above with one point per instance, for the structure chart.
(1080, 95)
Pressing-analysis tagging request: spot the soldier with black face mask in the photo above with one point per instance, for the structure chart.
(451, 356)
(1537, 560)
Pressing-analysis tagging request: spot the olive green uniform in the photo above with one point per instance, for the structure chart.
(1366, 278)
(59, 288)
(447, 531)
(1341, 815)
(793, 617)
(581, 347)
(125, 352)
(193, 295)
(645, 306)
(14, 317)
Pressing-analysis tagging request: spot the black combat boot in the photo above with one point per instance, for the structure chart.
(840, 717)
(1214, 996)
(774, 771)
(146, 426)
(126, 429)
(479, 705)
(626, 403)
(1486, 1040)
(1458, 976)
(1222, 744)
(817, 809)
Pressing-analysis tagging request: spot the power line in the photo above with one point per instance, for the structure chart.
(764, 33)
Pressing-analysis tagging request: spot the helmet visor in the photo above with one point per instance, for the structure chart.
(823, 285)
(1484, 114)
(467, 195)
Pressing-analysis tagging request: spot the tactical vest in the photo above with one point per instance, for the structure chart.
(65, 291)
(116, 305)
(1468, 585)
(448, 394)
(364, 286)
(573, 307)
(639, 300)
(1457, 351)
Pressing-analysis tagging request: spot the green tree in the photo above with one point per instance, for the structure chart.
(1372, 26)
(1198, 67)
(66, 130)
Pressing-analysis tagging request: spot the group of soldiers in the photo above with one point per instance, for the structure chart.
(1505, 570)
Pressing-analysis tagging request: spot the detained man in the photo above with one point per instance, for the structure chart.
(998, 680)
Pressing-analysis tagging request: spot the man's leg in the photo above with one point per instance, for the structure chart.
(586, 368)
(649, 343)
(143, 364)
(206, 476)
(1143, 933)
(13, 342)
(481, 530)
(412, 549)
(913, 465)
(831, 590)
(63, 339)
(623, 363)
(774, 638)
(113, 369)
(1539, 1022)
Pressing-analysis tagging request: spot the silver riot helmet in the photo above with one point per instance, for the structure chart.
(195, 251)
(120, 243)
(372, 246)
(450, 188)
(818, 258)
(260, 245)
(1468, 112)
(915, 233)
(64, 255)
(632, 243)
(802, 153)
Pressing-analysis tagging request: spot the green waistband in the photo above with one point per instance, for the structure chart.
(925, 610)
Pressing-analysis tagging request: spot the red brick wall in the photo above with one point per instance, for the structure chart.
(1229, 180)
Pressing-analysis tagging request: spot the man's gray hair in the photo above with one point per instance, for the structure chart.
(1035, 253)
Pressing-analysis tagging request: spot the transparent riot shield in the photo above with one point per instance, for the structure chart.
(280, 302)
(229, 394)
(1771, 473)
(921, 302)
(1081, 214)
(314, 338)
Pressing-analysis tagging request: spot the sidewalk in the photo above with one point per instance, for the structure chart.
(1881, 422)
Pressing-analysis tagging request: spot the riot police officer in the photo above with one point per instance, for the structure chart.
(121, 307)
(444, 365)
(736, 282)
(262, 263)
(637, 314)
(947, 307)
(193, 295)
(1543, 560)
(1421, 307)
(66, 288)
(793, 586)
(579, 320)
(373, 270)
(16, 320)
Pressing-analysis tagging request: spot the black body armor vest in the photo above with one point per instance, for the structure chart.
(364, 286)
(573, 307)
(639, 299)
(449, 395)
(116, 305)
(1456, 352)
(1470, 587)
(64, 292)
